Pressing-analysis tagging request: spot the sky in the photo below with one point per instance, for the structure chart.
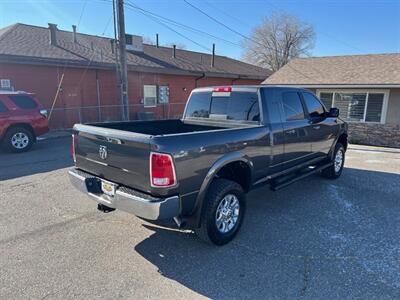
(342, 27)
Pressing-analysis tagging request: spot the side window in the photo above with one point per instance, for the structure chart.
(292, 106)
(23, 101)
(3, 108)
(313, 105)
(244, 106)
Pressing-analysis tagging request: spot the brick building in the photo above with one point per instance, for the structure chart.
(160, 79)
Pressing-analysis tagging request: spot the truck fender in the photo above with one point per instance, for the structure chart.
(332, 149)
(218, 165)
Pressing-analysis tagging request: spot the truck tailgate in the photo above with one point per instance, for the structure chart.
(115, 155)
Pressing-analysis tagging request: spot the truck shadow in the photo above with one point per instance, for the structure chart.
(311, 219)
(232, 271)
(45, 156)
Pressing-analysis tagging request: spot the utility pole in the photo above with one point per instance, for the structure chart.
(122, 59)
(213, 56)
(114, 49)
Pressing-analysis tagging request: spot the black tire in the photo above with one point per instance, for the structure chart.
(26, 141)
(334, 172)
(209, 231)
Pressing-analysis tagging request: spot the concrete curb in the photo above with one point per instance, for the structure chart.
(358, 147)
(55, 135)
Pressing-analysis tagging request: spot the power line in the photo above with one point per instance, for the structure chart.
(107, 24)
(156, 18)
(82, 11)
(245, 37)
(226, 14)
(219, 22)
(233, 30)
(184, 26)
(93, 54)
(82, 75)
(170, 28)
(321, 32)
(181, 25)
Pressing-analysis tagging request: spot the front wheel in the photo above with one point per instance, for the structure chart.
(223, 213)
(18, 139)
(335, 170)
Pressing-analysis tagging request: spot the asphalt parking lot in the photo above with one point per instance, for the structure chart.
(316, 239)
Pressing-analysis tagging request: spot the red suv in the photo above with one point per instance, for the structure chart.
(22, 119)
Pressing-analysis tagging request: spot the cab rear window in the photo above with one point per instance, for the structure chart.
(235, 106)
(23, 101)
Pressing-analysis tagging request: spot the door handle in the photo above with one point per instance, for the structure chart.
(292, 131)
(316, 127)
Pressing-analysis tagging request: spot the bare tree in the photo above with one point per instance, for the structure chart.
(277, 40)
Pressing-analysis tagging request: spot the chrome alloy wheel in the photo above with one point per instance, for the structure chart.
(227, 213)
(338, 161)
(20, 140)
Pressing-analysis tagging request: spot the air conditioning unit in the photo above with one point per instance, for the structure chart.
(134, 42)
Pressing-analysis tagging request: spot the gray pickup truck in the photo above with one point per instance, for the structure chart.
(197, 170)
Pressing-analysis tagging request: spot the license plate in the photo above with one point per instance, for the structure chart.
(108, 188)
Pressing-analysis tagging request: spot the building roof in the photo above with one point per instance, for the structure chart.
(351, 70)
(22, 43)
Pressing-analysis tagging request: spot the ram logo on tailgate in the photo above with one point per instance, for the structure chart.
(103, 152)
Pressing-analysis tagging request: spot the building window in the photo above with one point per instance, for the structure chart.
(374, 108)
(351, 106)
(128, 39)
(357, 106)
(5, 83)
(150, 96)
(326, 99)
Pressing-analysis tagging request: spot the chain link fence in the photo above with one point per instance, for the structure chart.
(66, 117)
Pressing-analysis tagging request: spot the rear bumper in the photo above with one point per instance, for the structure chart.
(126, 199)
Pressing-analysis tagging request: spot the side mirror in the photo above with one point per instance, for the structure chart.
(315, 115)
(334, 112)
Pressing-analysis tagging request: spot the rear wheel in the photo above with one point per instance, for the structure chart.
(18, 139)
(223, 213)
(336, 169)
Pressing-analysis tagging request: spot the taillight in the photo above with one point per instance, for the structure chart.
(162, 173)
(223, 89)
(73, 148)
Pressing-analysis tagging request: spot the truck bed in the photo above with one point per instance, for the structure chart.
(128, 146)
(156, 127)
